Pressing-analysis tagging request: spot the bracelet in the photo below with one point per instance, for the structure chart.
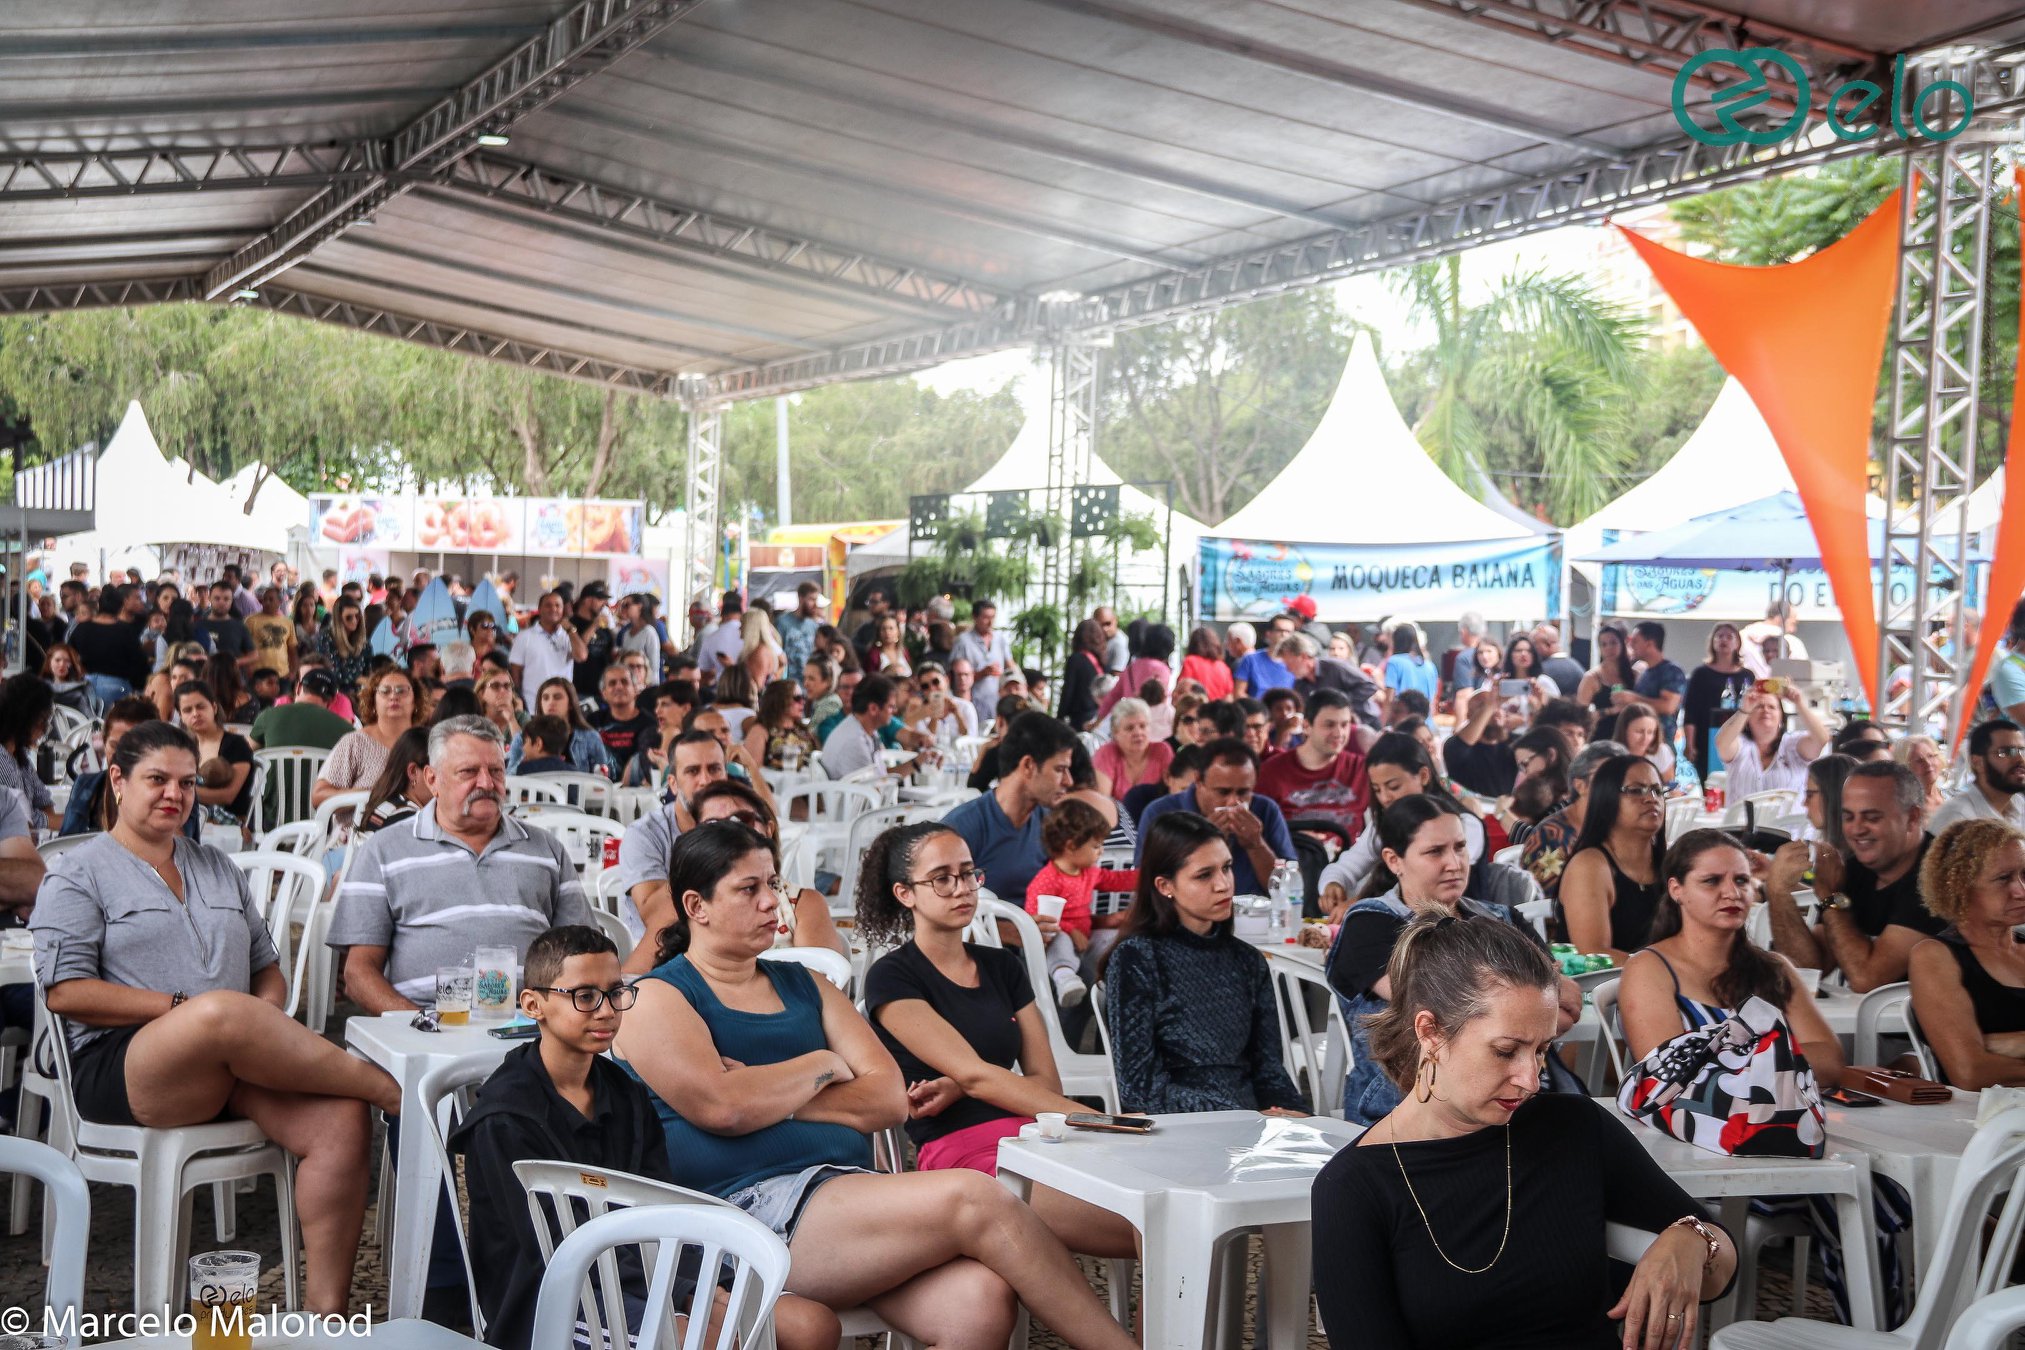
(1705, 1233)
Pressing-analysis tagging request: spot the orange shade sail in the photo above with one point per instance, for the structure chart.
(1806, 339)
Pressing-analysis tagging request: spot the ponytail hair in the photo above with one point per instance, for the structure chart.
(1449, 967)
(889, 861)
(703, 857)
(1751, 972)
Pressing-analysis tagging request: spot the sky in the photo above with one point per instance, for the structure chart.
(1366, 298)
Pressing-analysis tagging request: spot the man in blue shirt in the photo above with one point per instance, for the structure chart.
(1261, 670)
(1226, 793)
(798, 629)
(1003, 827)
(1663, 683)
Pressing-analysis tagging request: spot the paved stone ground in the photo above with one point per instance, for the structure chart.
(109, 1279)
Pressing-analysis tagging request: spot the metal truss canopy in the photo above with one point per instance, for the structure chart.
(576, 45)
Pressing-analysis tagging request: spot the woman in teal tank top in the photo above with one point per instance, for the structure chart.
(767, 1082)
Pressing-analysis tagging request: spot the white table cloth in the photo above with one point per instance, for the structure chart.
(1192, 1180)
(390, 1042)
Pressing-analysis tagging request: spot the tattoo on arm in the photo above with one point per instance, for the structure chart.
(823, 1078)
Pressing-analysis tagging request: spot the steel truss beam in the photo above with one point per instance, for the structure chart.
(1588, 192)
(1075, 375)
(1930, 460)
(95, 295)
(687, 229)
(130, 173)
(1661, 36)
(577, 44)
(706, 486)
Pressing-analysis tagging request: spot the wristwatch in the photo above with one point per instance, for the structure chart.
(177, 999)
(1704, 1232)
(1837, 901)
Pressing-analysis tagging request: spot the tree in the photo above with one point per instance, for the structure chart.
(1219, 402)
(861, 449)
(1530, 387)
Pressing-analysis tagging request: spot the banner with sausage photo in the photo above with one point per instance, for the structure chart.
(351, 520)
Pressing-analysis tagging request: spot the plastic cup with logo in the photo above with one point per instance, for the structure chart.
(224, 1288)
(453, 995)
(492, 989)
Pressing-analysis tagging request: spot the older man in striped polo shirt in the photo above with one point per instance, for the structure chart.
(457, 875)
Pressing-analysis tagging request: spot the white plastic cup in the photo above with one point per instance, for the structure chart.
(1810, 978)
(1053, 1124)
(1050, 906)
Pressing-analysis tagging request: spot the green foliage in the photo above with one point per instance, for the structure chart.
(1535, 387)
(960, 560)
(1037, 634)
(1219, 402)
(859, 450)
(328, 407)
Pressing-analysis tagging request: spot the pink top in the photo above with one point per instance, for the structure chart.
(1077, 890)
(1109, 760)
(1137, 673)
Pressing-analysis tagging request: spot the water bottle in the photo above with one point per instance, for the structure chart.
(1279, 922)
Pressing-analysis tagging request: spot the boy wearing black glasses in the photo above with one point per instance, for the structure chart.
(557, 1097)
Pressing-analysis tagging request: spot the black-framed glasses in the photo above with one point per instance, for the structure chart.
(588, 998)
(947, 884)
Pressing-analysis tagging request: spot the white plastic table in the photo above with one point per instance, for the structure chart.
(1186, 1185)
(17, 965)
(406, 1334)
(1844, 1175)
(1919, 1147)
(390, 1042)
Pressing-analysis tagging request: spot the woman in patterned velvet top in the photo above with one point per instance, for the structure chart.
(1190, 1006)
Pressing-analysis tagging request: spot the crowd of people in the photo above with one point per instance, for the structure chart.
(1127, 816)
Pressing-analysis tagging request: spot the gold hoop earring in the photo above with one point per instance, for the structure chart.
(1423, 1080)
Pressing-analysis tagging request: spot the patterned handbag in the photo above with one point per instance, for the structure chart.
(1740, 1087)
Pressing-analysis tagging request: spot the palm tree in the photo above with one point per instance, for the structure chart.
(1529, 388)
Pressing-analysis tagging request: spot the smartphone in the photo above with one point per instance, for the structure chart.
(516, 1031)
(1090, 1120)
(1514, 688)
(1843, 1096)
(1774, 685)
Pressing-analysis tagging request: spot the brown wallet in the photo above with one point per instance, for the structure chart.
(1895, 1086)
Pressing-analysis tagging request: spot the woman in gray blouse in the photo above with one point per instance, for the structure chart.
(149, 946)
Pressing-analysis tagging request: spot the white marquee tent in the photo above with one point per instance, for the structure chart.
(145, 501)
(1365, 524)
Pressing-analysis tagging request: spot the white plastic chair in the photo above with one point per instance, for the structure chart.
(1082, 1075)
(524, 789)
(69, 1201)
(1509, 856)
(1990, 1321)
(614, 927)
(1680, 815)
(1322, 1058)
(830, 808)
(163, 1167)
(327, 826)
(36, 1113)
(1887, 1010)
(1765, 806)
(585, 791)
(580, 832)
(287, 889)
(289, 772)
(831, 965)
(606, 893)
(443, 1095)
(564, 1196)
(1962, 1269)
(301, 838)
(55, 847)
(1610, 1028)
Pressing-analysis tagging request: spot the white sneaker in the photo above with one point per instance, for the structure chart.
(1069, 990)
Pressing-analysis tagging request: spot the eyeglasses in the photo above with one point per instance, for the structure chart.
(2003, 752)
(588, 998)
(747, 818)
(947, 884)
(1650, 791)
(485, 626)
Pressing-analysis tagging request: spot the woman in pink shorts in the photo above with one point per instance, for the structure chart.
(961, 1021)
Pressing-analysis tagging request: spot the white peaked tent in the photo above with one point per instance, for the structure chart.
(1730, 459)
(1363, 522)
(143, 499)
(1364, 478)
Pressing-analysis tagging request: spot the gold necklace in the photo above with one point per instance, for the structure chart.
(1502, 1239)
